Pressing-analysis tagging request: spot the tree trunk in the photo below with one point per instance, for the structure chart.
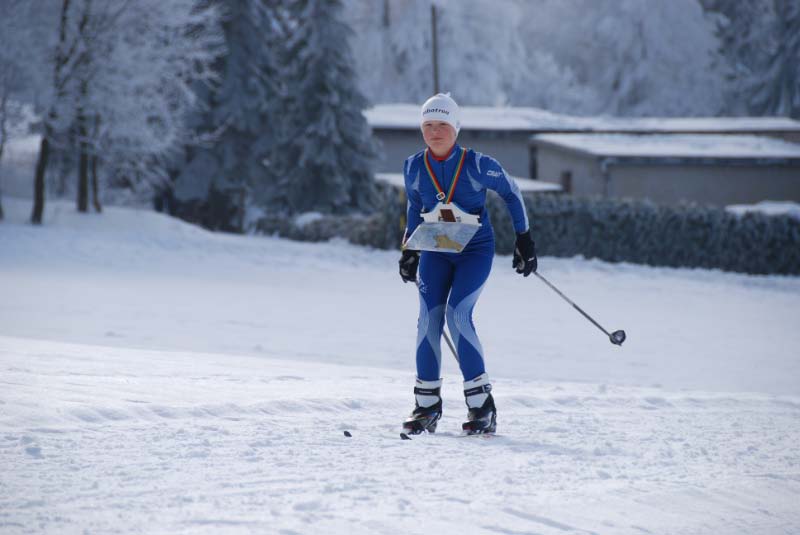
(95, 194)
(83, 167)
(83, 131)
(38, 182)
(44, 149)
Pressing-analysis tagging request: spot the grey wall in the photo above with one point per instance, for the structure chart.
(509, 148)
(708, 184)
(394, 146)
(586, 176)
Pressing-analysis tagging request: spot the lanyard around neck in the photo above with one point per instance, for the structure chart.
(456, 174)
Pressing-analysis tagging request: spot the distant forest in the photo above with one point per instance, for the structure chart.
(614, 57)
(235, 112)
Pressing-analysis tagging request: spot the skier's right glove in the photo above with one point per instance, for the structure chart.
(408, 265)
(525, 261)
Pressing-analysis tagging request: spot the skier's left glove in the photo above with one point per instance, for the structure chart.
(409, 263)
(525, 261)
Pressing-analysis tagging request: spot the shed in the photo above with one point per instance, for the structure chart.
(709, 169)
(505, 133)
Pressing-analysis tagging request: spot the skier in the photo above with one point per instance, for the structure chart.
(450, 282)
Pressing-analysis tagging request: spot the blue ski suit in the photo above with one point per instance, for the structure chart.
(450, 283)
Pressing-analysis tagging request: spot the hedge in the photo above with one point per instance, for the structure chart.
(613, 230)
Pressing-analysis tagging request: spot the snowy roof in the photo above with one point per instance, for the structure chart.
(406, 116)
(673, 146)
(525, 184)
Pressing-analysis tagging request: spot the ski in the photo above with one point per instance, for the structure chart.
(406, 436)
(484, 435)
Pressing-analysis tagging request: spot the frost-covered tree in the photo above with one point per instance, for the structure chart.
(760, 40)
(630, 57)
(112, 78)
(237, 119)
(10, 82)
(483, 58)
(325, 151)
(143, 76)
(781, 94)
(486, 61)
(640, 57)
(392, 48)
(56, 113)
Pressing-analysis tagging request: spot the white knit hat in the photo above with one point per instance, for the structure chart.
(442, 107)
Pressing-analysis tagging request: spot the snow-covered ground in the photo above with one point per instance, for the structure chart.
(157, 378)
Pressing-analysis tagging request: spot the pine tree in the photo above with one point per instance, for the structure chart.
(779, 91)
(325, 151)
(760, 40)
(230, 170)
(245, 104)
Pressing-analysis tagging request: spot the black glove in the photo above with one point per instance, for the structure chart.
(525, 254)
(408, 265)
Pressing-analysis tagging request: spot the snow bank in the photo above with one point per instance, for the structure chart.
(138, 278)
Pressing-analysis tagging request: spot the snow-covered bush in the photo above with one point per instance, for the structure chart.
(635, 231)
(642, 232)
(382, 229)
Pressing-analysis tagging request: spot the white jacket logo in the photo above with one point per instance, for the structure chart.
(494, 173)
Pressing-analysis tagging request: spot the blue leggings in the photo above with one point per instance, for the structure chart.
(451, 284)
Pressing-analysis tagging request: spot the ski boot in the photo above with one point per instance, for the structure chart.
(427, 410)
(482, 414)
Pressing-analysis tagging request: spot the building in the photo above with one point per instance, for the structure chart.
(494, 131)
(670, 168)
(506, 133)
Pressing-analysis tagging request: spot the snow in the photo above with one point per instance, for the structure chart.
(673, 146)
(306, 218)
(789, 208)
(18, 164)
(158, 378)
(406, 116)
(525, 184)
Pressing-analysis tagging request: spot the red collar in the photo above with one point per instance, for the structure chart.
(446, 156)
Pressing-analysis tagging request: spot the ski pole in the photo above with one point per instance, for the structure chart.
(446, 338)
(450, 344)
(617, 337)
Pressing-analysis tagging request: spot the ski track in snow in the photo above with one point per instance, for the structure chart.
(97, 438)
(156, 378)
